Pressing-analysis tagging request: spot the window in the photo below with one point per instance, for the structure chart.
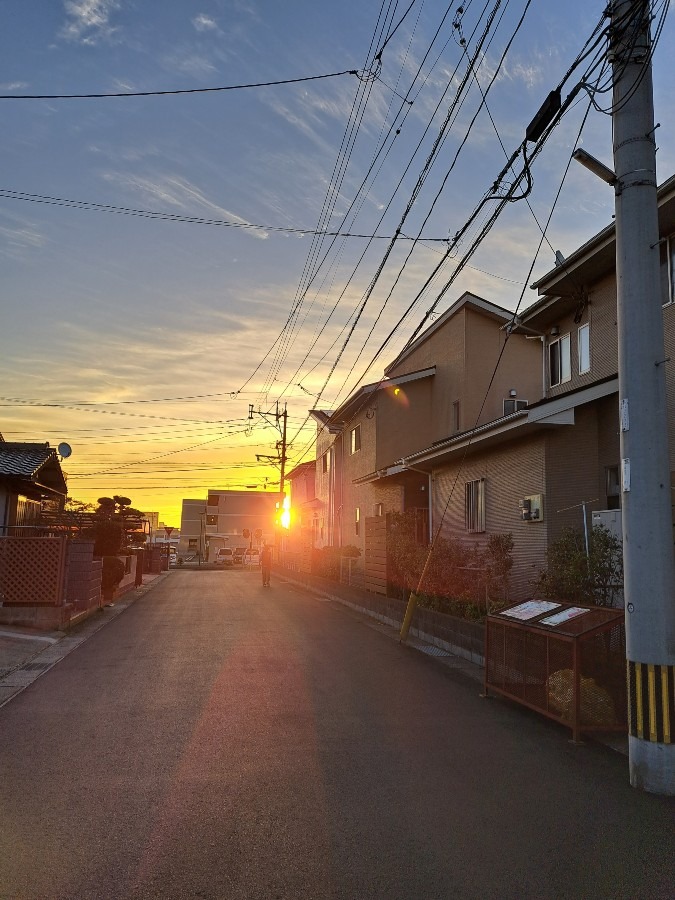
(325, 462)
(474, 505)
(377, 509)
(212, 520)
(613, 487)
(192, 543)
(667, 260)
(584, 345)
(455, 416)
(559, 363)
(357, 520)
(356, 439)
(512, 406)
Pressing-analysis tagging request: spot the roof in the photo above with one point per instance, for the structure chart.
(301, 469)
(467, 299)
(596, 256)
(37, 464)
(352, 405)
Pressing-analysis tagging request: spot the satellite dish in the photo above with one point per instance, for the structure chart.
(64, 450)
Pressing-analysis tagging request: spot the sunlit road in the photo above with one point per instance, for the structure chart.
(218, 740)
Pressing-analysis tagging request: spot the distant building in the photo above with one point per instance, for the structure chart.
(222, 519)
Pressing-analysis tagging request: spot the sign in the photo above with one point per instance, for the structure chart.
(168, 530)
(564, 615)
(530, 609)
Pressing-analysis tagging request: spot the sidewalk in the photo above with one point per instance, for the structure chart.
(27, 654)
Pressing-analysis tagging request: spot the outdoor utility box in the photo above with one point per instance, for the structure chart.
(567, 662)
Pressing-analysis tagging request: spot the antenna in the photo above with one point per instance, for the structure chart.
(64, 450)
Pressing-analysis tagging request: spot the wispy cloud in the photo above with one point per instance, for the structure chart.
(18, 236)
(189, 62)
(13, 85)
(175, 192)
(88, 21)
(202, 22)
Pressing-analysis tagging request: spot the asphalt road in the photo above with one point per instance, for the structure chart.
(221, 740)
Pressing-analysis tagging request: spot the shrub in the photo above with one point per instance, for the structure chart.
(113, 573)
(572, 576)
(326, 561)
(461, 579)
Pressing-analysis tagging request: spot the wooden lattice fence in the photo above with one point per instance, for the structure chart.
(32, 571)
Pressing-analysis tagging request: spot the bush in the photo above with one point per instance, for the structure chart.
(460, 579)
(326, 561)
(573, 577)
(113, 572)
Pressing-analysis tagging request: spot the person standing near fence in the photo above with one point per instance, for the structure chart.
(266, 564)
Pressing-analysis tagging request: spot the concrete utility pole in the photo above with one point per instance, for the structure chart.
(649, 570)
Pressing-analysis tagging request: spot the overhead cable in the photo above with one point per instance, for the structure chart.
(209, 90)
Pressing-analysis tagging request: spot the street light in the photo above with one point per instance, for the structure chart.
(595, 166)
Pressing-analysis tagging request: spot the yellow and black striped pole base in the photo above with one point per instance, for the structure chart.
(651, 702)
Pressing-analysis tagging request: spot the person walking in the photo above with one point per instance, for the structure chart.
(266, 564)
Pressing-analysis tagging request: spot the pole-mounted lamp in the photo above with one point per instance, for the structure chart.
(595, 166)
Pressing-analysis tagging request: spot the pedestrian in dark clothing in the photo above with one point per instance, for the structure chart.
(266, 564)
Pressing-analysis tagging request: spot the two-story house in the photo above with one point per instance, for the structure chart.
(555, 463)
(434, 388)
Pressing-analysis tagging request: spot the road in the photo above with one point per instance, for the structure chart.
(221, 740)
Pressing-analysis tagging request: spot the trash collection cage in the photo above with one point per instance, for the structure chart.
(567, 662)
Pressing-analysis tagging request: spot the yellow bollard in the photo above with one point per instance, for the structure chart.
(407, 619)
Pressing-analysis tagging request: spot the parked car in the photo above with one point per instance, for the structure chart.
(252, 558)
(239, 555)
(173, 559)
(225, 556)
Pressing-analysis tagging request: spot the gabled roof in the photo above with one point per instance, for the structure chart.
(467, 299)
(352, 405)
(35, 464)
(301, 469)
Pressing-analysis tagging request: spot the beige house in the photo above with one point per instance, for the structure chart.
(555, 463)
(434, 389)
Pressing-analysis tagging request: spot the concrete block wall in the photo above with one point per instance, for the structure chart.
(83, 575)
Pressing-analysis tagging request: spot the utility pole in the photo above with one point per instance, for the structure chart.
(281, 458)
(649, 570)
(284, 416)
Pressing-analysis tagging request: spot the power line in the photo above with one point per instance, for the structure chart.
(450, 82)
(89, 205)
(209, 90)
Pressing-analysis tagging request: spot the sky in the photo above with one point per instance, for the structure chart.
(159, 266)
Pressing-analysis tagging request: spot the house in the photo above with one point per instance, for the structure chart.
(555, 463)
(47, 580)
(29, 474)
(437, 386)
(303, 529)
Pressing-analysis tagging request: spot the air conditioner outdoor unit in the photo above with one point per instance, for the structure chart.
(511, 406)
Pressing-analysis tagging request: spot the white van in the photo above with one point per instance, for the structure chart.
(225, 556)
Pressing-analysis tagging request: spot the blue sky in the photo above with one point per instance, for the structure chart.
(104, 311)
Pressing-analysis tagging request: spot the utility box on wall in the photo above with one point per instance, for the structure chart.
(609, 519)
(532, 508)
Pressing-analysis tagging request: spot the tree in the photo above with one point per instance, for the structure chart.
(116, 526)
(572, 576)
